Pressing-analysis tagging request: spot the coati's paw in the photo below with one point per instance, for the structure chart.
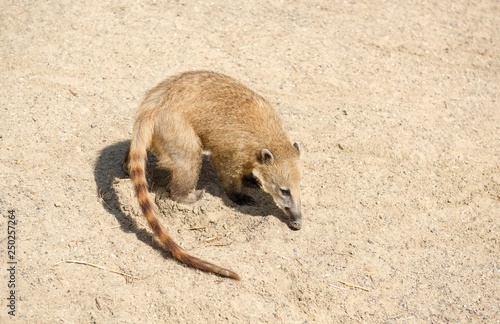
(241, 199)
(190, 198)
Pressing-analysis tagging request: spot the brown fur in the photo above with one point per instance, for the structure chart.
(206, 111)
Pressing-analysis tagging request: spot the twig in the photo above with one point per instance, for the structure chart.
(220, 244)
(97, 304)
(341, 288)
(101, 198)
(102, 268)
(348, 284)
(197, 228)
(212, 239)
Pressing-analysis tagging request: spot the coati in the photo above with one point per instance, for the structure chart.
(202, 111)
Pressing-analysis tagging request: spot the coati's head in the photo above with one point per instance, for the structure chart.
(279, 176)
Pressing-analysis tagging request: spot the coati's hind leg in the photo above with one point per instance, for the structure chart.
(184, 179)
(182, 156)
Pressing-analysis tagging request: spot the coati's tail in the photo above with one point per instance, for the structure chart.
(143, 132)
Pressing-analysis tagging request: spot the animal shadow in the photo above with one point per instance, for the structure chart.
(108, 168)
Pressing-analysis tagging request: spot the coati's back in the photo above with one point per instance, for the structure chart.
(224, 112)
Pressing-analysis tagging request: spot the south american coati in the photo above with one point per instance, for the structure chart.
(206, 112)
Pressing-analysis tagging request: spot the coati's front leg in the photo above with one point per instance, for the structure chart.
(232, 179)
(233, 186)
(237, 196)
(250, 181)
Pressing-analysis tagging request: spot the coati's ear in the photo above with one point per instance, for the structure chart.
(266, 156)
(296, 145)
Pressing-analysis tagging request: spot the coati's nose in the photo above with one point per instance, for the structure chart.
(294, 219)
(295, 224)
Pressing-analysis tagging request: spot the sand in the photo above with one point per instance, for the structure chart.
(395, 105)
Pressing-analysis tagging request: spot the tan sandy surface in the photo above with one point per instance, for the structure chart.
(395, 103)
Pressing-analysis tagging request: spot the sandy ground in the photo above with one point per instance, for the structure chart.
(396, 105)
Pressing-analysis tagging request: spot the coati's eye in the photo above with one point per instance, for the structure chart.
(285, 192)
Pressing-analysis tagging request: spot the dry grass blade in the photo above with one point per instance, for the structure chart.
(349, 284)
(102, 268)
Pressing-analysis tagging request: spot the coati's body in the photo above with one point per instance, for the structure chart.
(205, 111)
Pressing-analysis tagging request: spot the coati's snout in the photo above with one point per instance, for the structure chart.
(294, 217)
(281, 179)
(289, 201)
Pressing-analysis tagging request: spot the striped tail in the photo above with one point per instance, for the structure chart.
(141, 139)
